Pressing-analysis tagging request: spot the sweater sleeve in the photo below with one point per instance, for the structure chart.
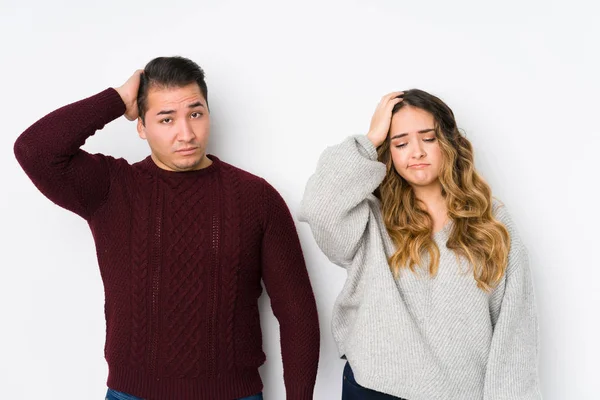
(512, 370)
(335, 202)
(292, 299)
(49, 152)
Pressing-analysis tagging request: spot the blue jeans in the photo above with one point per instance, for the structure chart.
(114, 395)
(353, 391)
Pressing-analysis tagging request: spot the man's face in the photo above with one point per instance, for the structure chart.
(177, 127)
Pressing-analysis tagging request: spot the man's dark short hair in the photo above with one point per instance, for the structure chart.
(168, 72)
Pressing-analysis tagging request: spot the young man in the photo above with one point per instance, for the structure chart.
(183, 240)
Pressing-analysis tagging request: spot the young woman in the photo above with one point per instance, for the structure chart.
(438, 301)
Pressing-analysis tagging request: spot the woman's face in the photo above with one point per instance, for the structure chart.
(414, 147)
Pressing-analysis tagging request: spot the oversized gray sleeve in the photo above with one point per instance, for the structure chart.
(335, 202)
(512, 367)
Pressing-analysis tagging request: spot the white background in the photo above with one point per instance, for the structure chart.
(287, 79)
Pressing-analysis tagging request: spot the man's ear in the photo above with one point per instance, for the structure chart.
(141, 128)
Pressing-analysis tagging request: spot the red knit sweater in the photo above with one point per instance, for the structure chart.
(181, 255)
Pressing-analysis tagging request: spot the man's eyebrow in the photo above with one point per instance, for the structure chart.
(404, 134)
(193, 105)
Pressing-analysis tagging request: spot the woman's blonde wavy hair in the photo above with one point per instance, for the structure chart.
(476, 234)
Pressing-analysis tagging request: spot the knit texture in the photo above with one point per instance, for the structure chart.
(182, 256)
(418, 337)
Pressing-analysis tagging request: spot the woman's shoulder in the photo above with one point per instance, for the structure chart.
(502, 215)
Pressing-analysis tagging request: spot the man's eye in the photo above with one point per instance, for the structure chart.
(165, 120)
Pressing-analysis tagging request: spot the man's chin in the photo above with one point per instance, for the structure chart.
(190, 164)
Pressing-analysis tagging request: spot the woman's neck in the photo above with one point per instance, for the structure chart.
(435, 203)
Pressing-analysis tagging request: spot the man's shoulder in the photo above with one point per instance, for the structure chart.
(243, 176)
(252, 185)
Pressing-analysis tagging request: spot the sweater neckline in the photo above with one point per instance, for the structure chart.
(445, 231)
(149, 163)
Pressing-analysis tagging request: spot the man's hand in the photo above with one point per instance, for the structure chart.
(128, 92)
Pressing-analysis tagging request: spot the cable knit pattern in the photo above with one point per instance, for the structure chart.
(181, 257)
(184, 318)
(418, 337)
(231, 261)
(139, 254)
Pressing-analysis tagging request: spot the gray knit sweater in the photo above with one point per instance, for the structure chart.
(418, 337)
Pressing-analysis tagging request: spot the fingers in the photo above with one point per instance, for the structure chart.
(135, 78)
(385, 99)
(391, 103)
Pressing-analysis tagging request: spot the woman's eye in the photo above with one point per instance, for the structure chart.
(401, 145)
(429, 140)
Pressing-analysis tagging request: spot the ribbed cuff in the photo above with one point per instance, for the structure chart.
(108, 105)
(237, 383)
(368, 148)
(299, 392)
